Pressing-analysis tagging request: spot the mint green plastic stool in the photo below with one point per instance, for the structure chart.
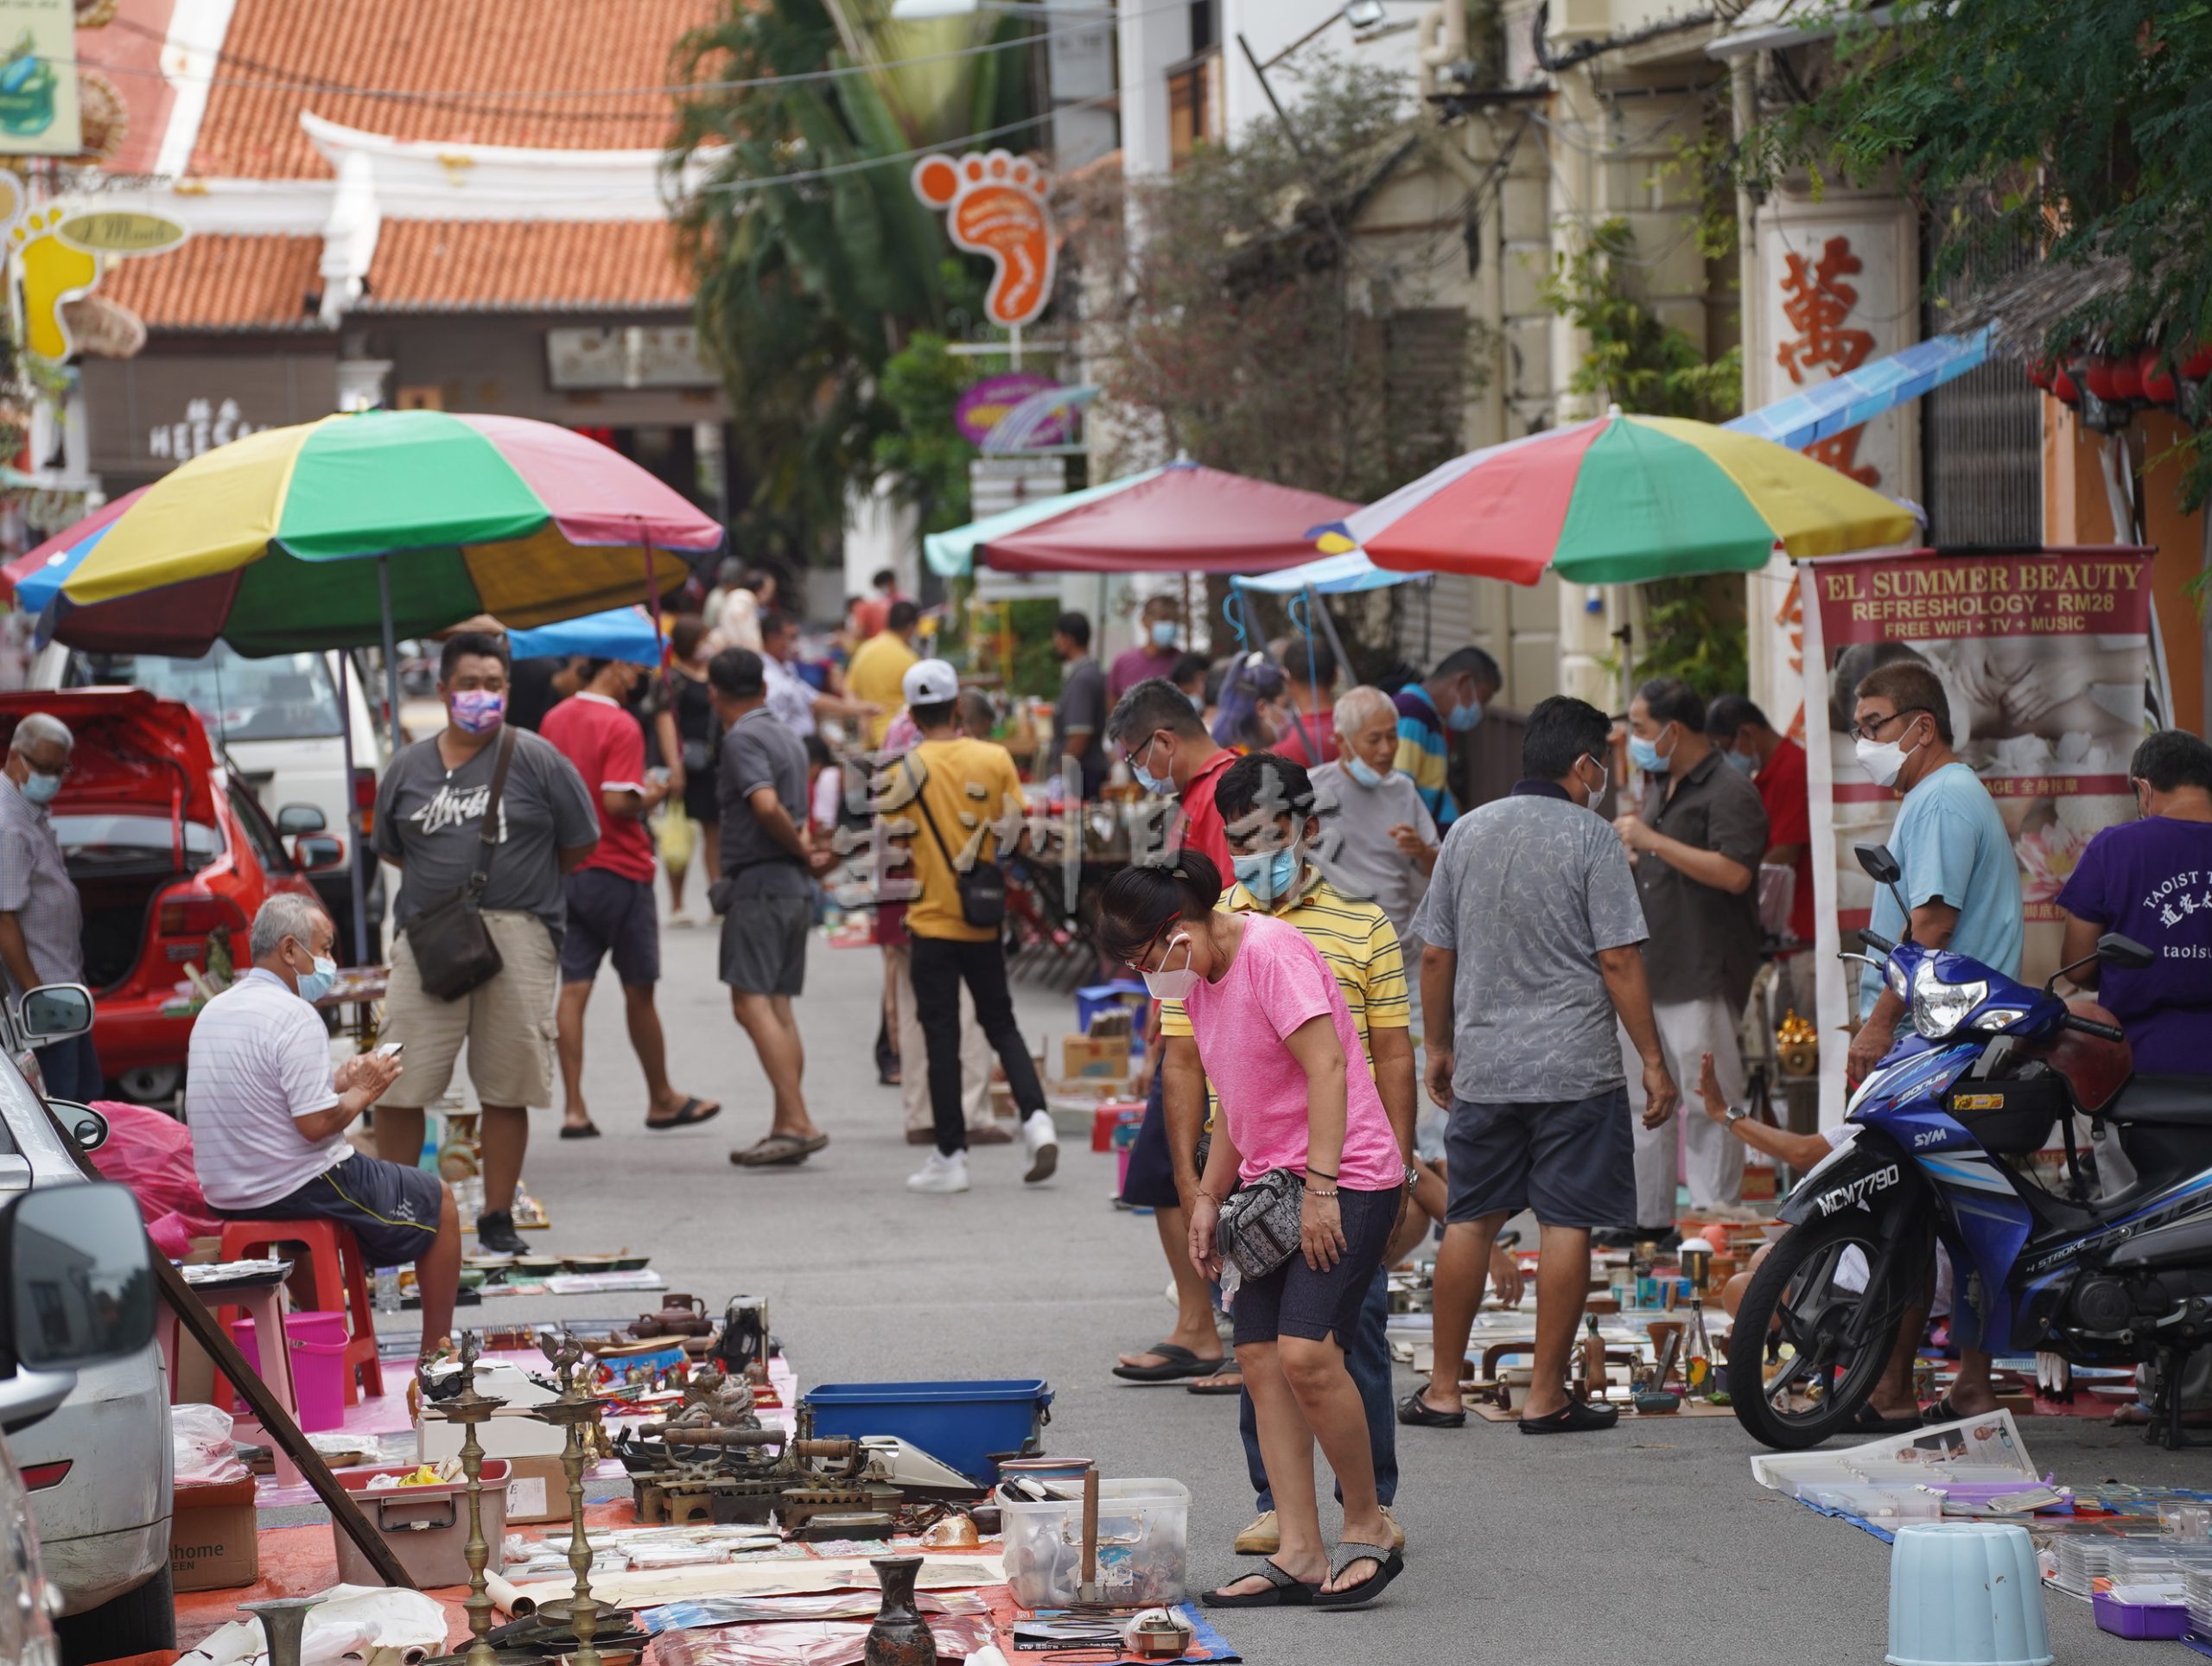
(1965, 1593)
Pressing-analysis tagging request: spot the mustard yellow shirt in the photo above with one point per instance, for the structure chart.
(971, 791)
(878, 673)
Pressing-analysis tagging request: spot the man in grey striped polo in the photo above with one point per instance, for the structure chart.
(42, 922)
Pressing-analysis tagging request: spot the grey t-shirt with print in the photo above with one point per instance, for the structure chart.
(430, 819)
(1527, 890)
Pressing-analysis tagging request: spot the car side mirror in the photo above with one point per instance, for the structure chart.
(86, 1128)
(54, 1011)
(1879, 865)
(79, 1282)
(2114, 950)
(314, 852)
(294, 819)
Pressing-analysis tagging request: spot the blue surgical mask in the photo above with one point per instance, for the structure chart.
(1268, 874)
(1362, 772)
(1742, 763)
(40, 789)
(1150, 782)
(319, 982)
(1461, 718)
(1646, 756)
(1163, 633)
(1198, 703)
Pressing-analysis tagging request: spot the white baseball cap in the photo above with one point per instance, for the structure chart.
(930, 683)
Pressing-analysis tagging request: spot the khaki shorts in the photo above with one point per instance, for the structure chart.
(508, 1023)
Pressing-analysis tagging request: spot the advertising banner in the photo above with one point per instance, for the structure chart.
(2047, 661)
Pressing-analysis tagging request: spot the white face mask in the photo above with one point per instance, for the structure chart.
(1165, 985)
(1883, 760)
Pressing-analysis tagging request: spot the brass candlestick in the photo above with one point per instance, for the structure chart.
(576, 1409)
(284, 1622)
(472, 1410)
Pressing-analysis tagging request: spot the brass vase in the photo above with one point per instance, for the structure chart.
(900, 1637)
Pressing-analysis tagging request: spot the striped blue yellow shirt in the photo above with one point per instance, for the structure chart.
(1425, 752)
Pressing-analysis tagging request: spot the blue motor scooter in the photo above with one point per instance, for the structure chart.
(1942, 1133)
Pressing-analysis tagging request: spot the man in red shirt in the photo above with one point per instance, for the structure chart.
(1155, 731)
(1745, 741)
(610, 898)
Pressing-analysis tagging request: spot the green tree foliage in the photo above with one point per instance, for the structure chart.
(1693, 627)
(808, 291)
(2081, 127)
(925, 452)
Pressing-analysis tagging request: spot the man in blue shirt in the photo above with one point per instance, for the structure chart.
(1961, 880)
(1450, 702)
(1962, 884)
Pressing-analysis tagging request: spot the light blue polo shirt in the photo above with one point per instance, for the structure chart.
(1952, 845)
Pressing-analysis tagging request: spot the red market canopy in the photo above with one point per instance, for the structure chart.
(1186, 518)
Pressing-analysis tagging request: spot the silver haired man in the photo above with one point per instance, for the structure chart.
(41, 922)
(268, 1116)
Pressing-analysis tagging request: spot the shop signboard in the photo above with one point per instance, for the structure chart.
(994, 205)
(2049, 662)
(121, 231)
(38, 79)
(145, 416)
(627, 356)
(984, 405)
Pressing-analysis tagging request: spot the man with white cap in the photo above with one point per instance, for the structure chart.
(949, 798)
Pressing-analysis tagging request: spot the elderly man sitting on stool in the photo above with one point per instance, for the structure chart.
(268, 1116)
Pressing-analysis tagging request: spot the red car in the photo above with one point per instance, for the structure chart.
(172, 857)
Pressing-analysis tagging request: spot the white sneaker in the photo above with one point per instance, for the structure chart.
(1044, 1142)
(940, 1174)
(680, 918)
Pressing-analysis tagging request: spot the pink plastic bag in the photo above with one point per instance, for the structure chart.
(151, 1154)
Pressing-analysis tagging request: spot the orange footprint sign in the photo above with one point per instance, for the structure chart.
(995, 205)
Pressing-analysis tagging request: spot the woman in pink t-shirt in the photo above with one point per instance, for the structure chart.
(1274, 1035)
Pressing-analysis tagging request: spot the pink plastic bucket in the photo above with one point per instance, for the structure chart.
(318, 1348)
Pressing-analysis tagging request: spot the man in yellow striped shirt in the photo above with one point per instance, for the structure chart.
(1267, 803)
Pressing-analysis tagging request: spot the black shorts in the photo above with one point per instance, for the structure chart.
(702, 795)
(1572, 1160)
(1296, 1300)
(391, 1209)
(763, 944)
(1149, 1182)
(610, 915)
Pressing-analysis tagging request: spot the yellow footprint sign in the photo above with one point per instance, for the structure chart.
(52, 272)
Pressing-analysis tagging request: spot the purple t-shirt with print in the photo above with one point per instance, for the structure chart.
(2152, 880)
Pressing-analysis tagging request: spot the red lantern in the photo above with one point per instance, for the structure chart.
(2097, 377)
(2196, 363)
(2157, 384)
(2040, 372)
(2128, 380)
(2062, 385)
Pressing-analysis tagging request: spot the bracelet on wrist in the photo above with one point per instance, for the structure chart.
(1313, 1173)
(1311, 1193)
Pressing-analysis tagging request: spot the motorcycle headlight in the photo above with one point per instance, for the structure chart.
(1939, 1007)
(1895, 974)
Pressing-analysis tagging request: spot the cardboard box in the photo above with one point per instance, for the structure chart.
(537, 1490)
(1094, 1058)
(212, 1537)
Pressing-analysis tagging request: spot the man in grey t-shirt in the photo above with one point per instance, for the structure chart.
(1533, 935)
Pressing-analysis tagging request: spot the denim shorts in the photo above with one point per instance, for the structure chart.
(1296, 1300)
(1572, 1160)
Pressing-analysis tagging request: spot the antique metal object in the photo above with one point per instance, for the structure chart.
(283, 1622)
(1157, 1634)
(472, 1410)
(900, 1637)
(576, 1408)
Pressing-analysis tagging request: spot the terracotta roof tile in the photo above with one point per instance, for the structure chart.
(446, 48)
(220, 281)
(443, 265)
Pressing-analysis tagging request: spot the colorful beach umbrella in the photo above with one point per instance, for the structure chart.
(367, 526)
(1619, 499)
(34, 578)
(619, 633)
(952, 555)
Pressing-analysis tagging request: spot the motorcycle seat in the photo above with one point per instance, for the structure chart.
(2182, 1100)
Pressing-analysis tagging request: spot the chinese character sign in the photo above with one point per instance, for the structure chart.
(994, 205)
(1817, 302)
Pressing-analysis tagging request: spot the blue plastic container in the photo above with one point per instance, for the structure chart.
(964, 1425)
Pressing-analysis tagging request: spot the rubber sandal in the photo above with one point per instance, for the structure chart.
(586, 1131)
(1867, 1421)
(1285, 1590)
(1575, 1417)
(778, 1151)
(693, 1112)
(1388, 1564)
(1944, 1412)
(1213, 1383)
(1179, 1363)
(1416, 1413)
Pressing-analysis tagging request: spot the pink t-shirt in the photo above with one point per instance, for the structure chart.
(1277, 981)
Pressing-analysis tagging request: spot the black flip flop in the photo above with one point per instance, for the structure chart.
(587, 1131)
(1388, 1564)
(778, 1151)
(1416, 1413)
(694, 1110)
(1867, 1421)
(1942, 1412)
(1180, 1362)
(1285, 1590)
(1228, 1368)
(1575, 1417)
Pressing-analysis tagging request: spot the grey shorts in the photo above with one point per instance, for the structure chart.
(764, 944)
(1572, 1160)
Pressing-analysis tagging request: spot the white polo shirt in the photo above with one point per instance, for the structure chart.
(259, 1058)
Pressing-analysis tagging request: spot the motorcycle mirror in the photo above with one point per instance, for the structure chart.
(2114, 950)
(1882, 868)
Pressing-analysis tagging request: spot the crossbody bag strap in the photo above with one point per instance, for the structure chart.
(487, 838)
(922, 805)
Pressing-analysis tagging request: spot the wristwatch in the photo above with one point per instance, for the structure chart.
(1735, 1114)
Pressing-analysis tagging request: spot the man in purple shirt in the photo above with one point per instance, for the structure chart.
(2151, 880)
(1159, 628)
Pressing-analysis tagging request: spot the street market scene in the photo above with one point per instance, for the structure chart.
(1304, 736)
